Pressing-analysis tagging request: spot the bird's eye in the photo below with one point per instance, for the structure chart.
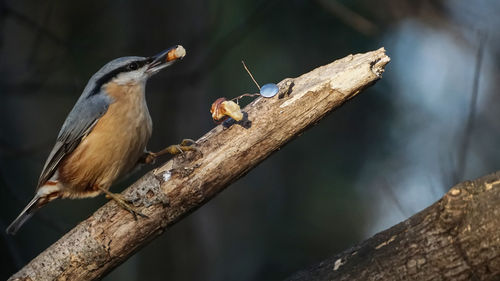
(133, 66)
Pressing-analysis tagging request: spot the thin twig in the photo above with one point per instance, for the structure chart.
(249, 73)
(237, 99)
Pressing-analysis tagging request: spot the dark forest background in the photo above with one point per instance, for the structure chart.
(431, 122)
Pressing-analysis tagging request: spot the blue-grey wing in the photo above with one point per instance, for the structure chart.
(78, 124)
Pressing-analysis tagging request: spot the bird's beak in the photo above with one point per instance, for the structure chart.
(165, 58)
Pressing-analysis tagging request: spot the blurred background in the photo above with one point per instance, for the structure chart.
(431, 122)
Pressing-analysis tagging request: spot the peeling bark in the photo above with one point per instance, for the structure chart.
(167, 194)
(456, 238)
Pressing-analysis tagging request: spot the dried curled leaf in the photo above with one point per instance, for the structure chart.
(222, 109)
(215, 110)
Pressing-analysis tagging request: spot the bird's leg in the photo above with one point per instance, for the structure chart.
(186, 145)
(122, 202)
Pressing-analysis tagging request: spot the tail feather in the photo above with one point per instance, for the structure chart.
(25, 215)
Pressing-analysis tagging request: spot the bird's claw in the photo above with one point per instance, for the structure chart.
(149, 157)
(187, 142)
(124, 203)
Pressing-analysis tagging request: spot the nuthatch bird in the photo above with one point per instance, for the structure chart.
(104, 136)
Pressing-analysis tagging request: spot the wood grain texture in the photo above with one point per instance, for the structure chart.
(167, 194)
(456, 238)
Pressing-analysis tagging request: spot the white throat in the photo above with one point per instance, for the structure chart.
(135, 76)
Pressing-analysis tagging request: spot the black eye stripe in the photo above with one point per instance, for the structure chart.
(112, 74)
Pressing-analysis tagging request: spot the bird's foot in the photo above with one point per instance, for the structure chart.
(185, 145)
(124, 203)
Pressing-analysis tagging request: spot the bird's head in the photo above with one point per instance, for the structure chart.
(133, 70)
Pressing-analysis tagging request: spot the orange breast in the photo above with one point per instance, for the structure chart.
(112, 148)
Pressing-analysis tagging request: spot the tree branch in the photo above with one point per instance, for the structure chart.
(167, 194)
(456, 238)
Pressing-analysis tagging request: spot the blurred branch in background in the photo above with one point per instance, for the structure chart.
(36, 27)
(463, 148)
(387, 189)
(456, 238)
(38, 32)
(185, 183)
(349, 17)
(38, 73)
(222, 45)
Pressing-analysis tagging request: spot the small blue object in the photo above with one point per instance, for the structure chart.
(269, 90)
